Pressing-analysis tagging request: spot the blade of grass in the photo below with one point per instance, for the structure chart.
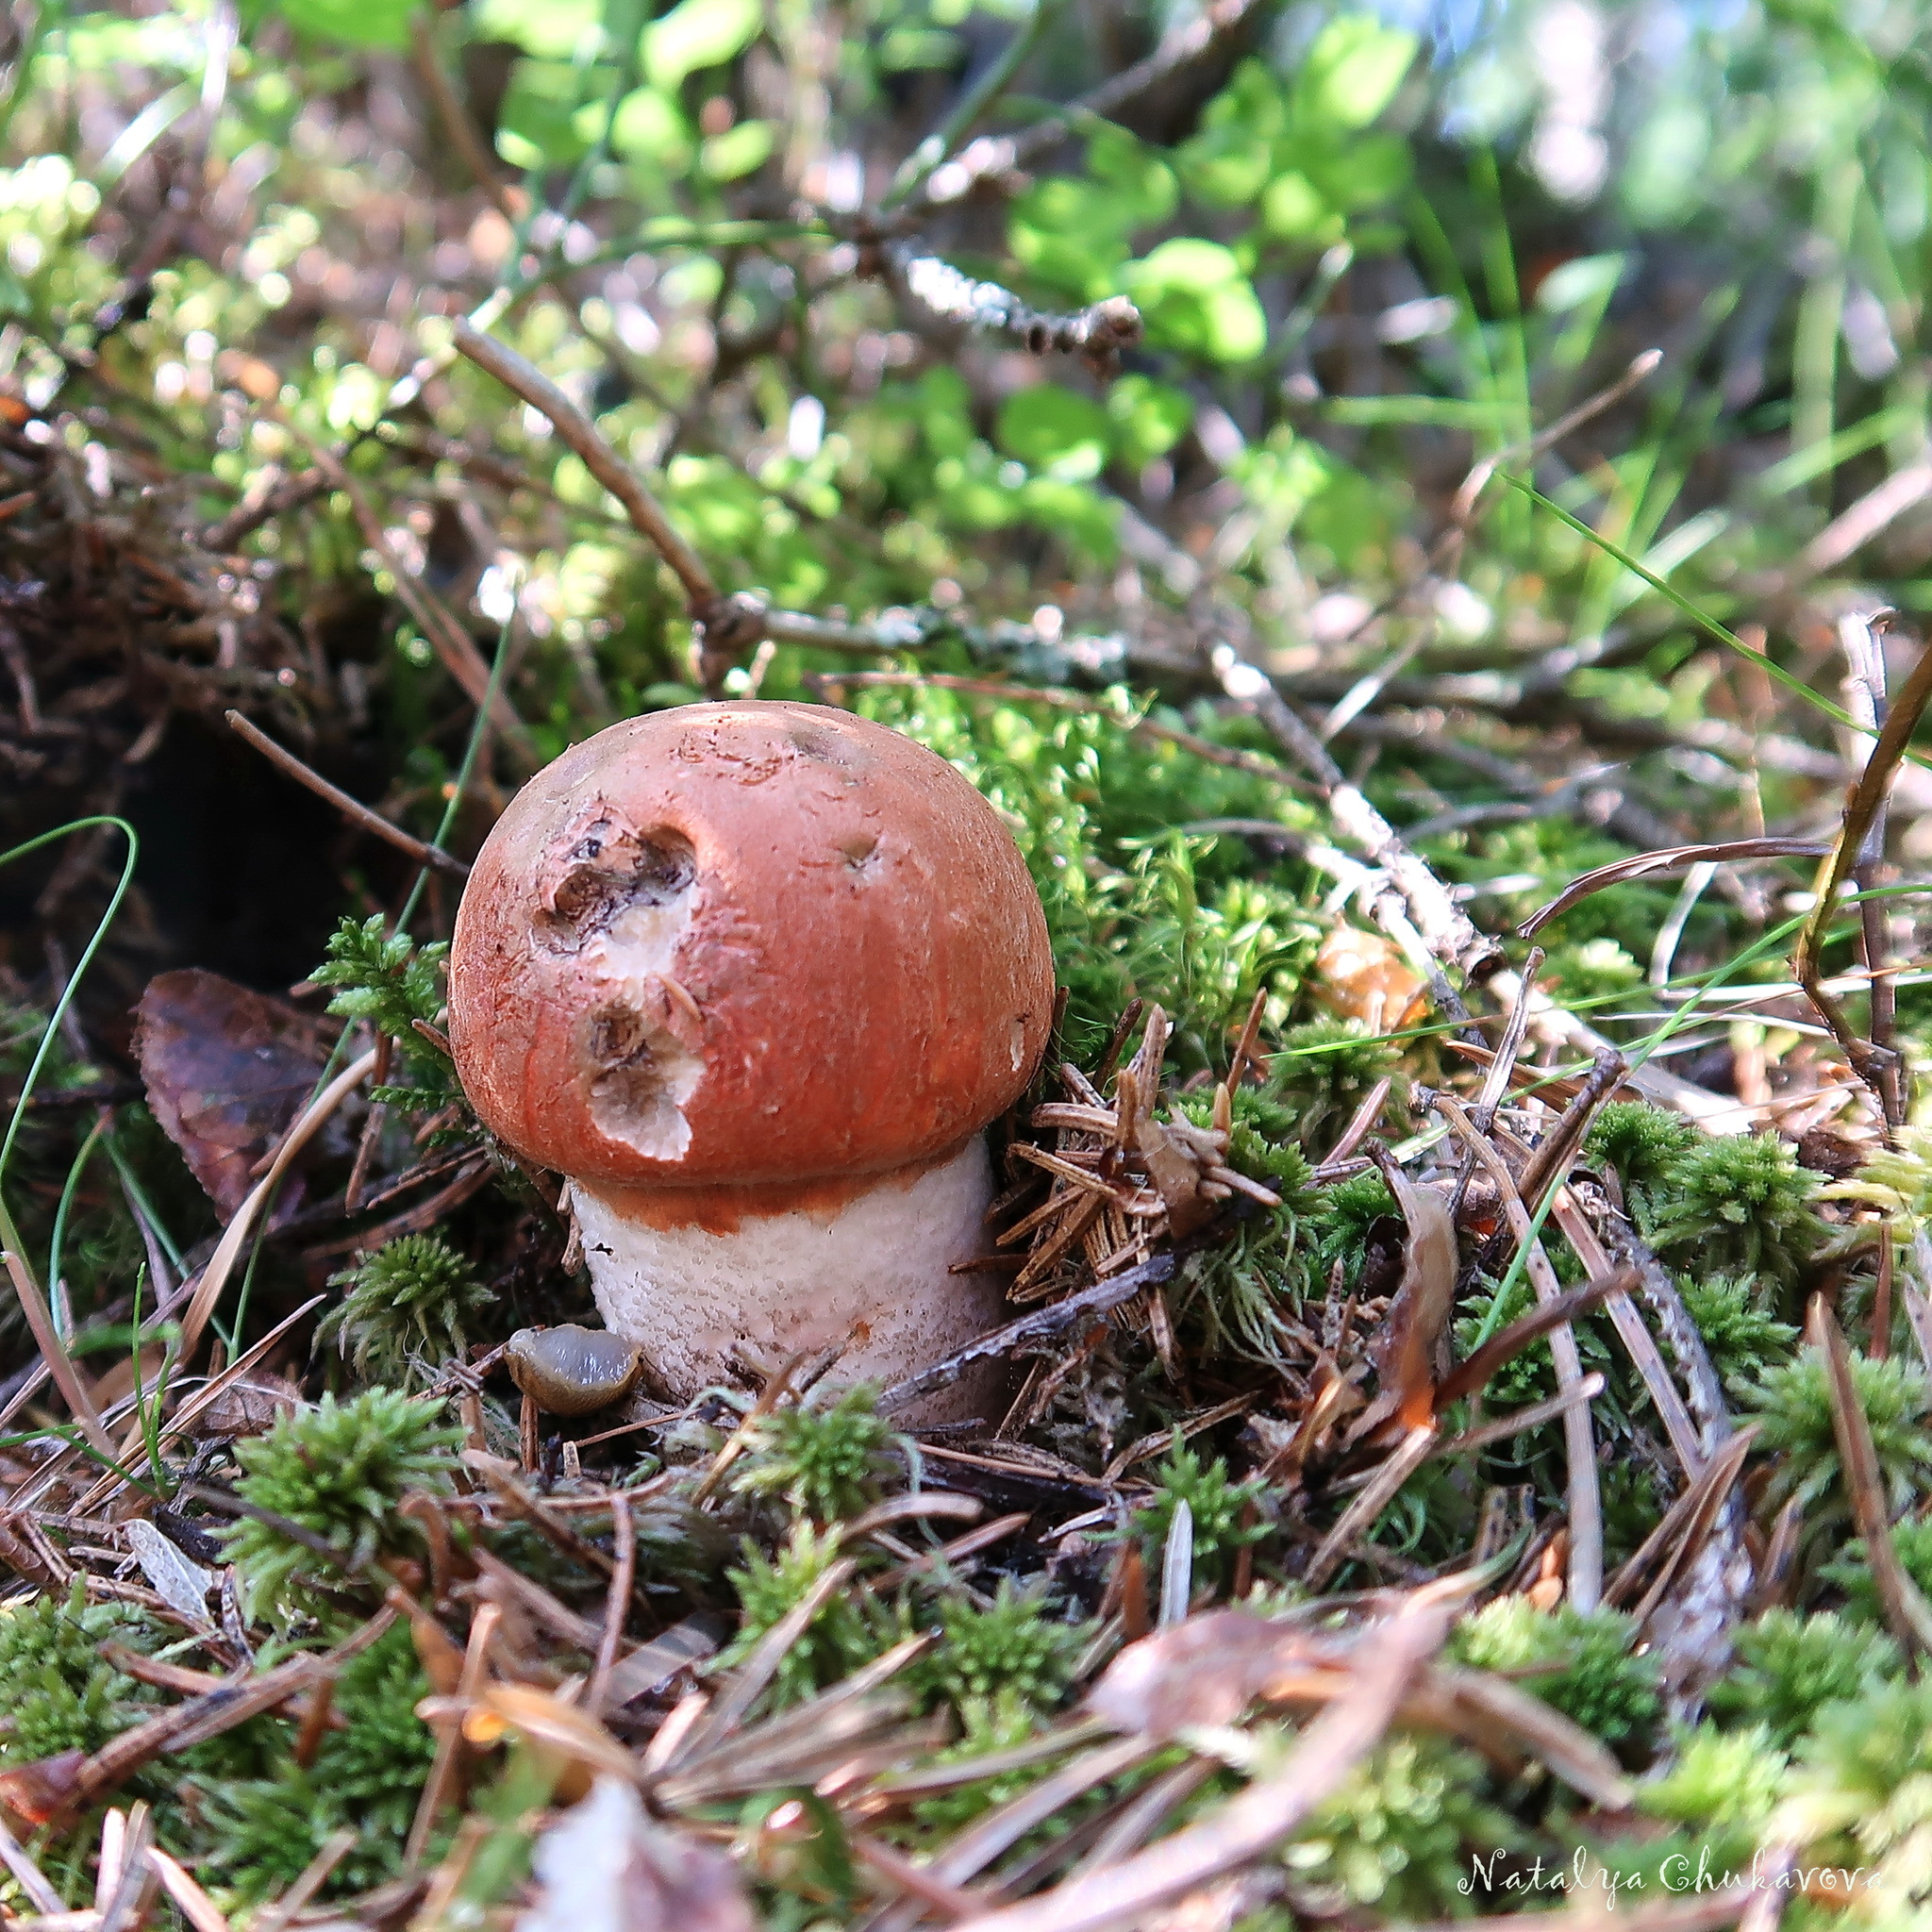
(1705, 623)
(73, 978)
(58, 1239)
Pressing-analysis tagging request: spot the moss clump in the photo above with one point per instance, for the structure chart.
(1640, 1142)
(1395, 1839)
(839, 1639)
(1739, 1201)
(1742, 1334)
(1014, 1647)
(389, 981)
(1340, 1221)
(338, 1471)
(367, 1777)
(57, 1692)
(1216, 1503)
(988, 1726)
(1857, 1792)
(1716, 1794)
(1790, 1667)
(825, 1458)
(1592, 1678)
(1792, 1403)
(406, 1311)
(1323, 1072)
(1851, 1572)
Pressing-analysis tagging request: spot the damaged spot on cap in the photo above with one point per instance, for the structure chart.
(642, 1079)
(602, 868)
(857, 849)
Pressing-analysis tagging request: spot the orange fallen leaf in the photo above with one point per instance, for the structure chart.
(1363, 976)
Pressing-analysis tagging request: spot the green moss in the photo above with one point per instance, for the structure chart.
(385, 979)
(1718, 1779)
(1741, 1201)
(1715, 1796)
(1788, 1667)
(57, 1692)
(825, 1457)
(1232, 1295)
(1323, 1072)
(405, 1316)
(1216, 1503)
(338, 1470)
(1340, 1223)
(1594, 1678)
(986, 1726)
(838, 1639)
(1866, 1749)
(1791, 1403)
(1396, 1841)
(1735, 1203)
(367, 1777)
(1911, 1541)
(1640, 1142)
(1014, 1648)
(1738, 1330)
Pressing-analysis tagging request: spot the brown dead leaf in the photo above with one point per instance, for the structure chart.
(226, 1070)
(607, 1866)
(1364, 977)
(1207, 1671)
(250, 1407)
(43, 1790)
(1406, 1348)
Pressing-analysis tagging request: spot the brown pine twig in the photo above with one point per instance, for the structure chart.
(1248, 1828)
(352, 810)
(1585, 1495)
(616, 1603)
(1904, 1604)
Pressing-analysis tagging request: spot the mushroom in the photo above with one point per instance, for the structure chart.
(755, 977)
(572, 1370)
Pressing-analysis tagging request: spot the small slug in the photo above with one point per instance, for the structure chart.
(571, 1370)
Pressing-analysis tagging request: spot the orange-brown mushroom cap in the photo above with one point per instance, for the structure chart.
(746, 944)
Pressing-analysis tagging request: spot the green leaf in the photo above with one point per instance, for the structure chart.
(1373, 169)
(697, 34)
(1053, 430)
(1228, 162)
(353, 23)
(1196, 299)
(740, 151)
(552, 29)
(649, 127)
(1294, 209)
(1148, 417)
(1351, 72)
(1140, 189)
(542, 108)
(1074, 513)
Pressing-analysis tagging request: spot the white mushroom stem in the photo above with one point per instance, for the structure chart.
(870, 1275)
